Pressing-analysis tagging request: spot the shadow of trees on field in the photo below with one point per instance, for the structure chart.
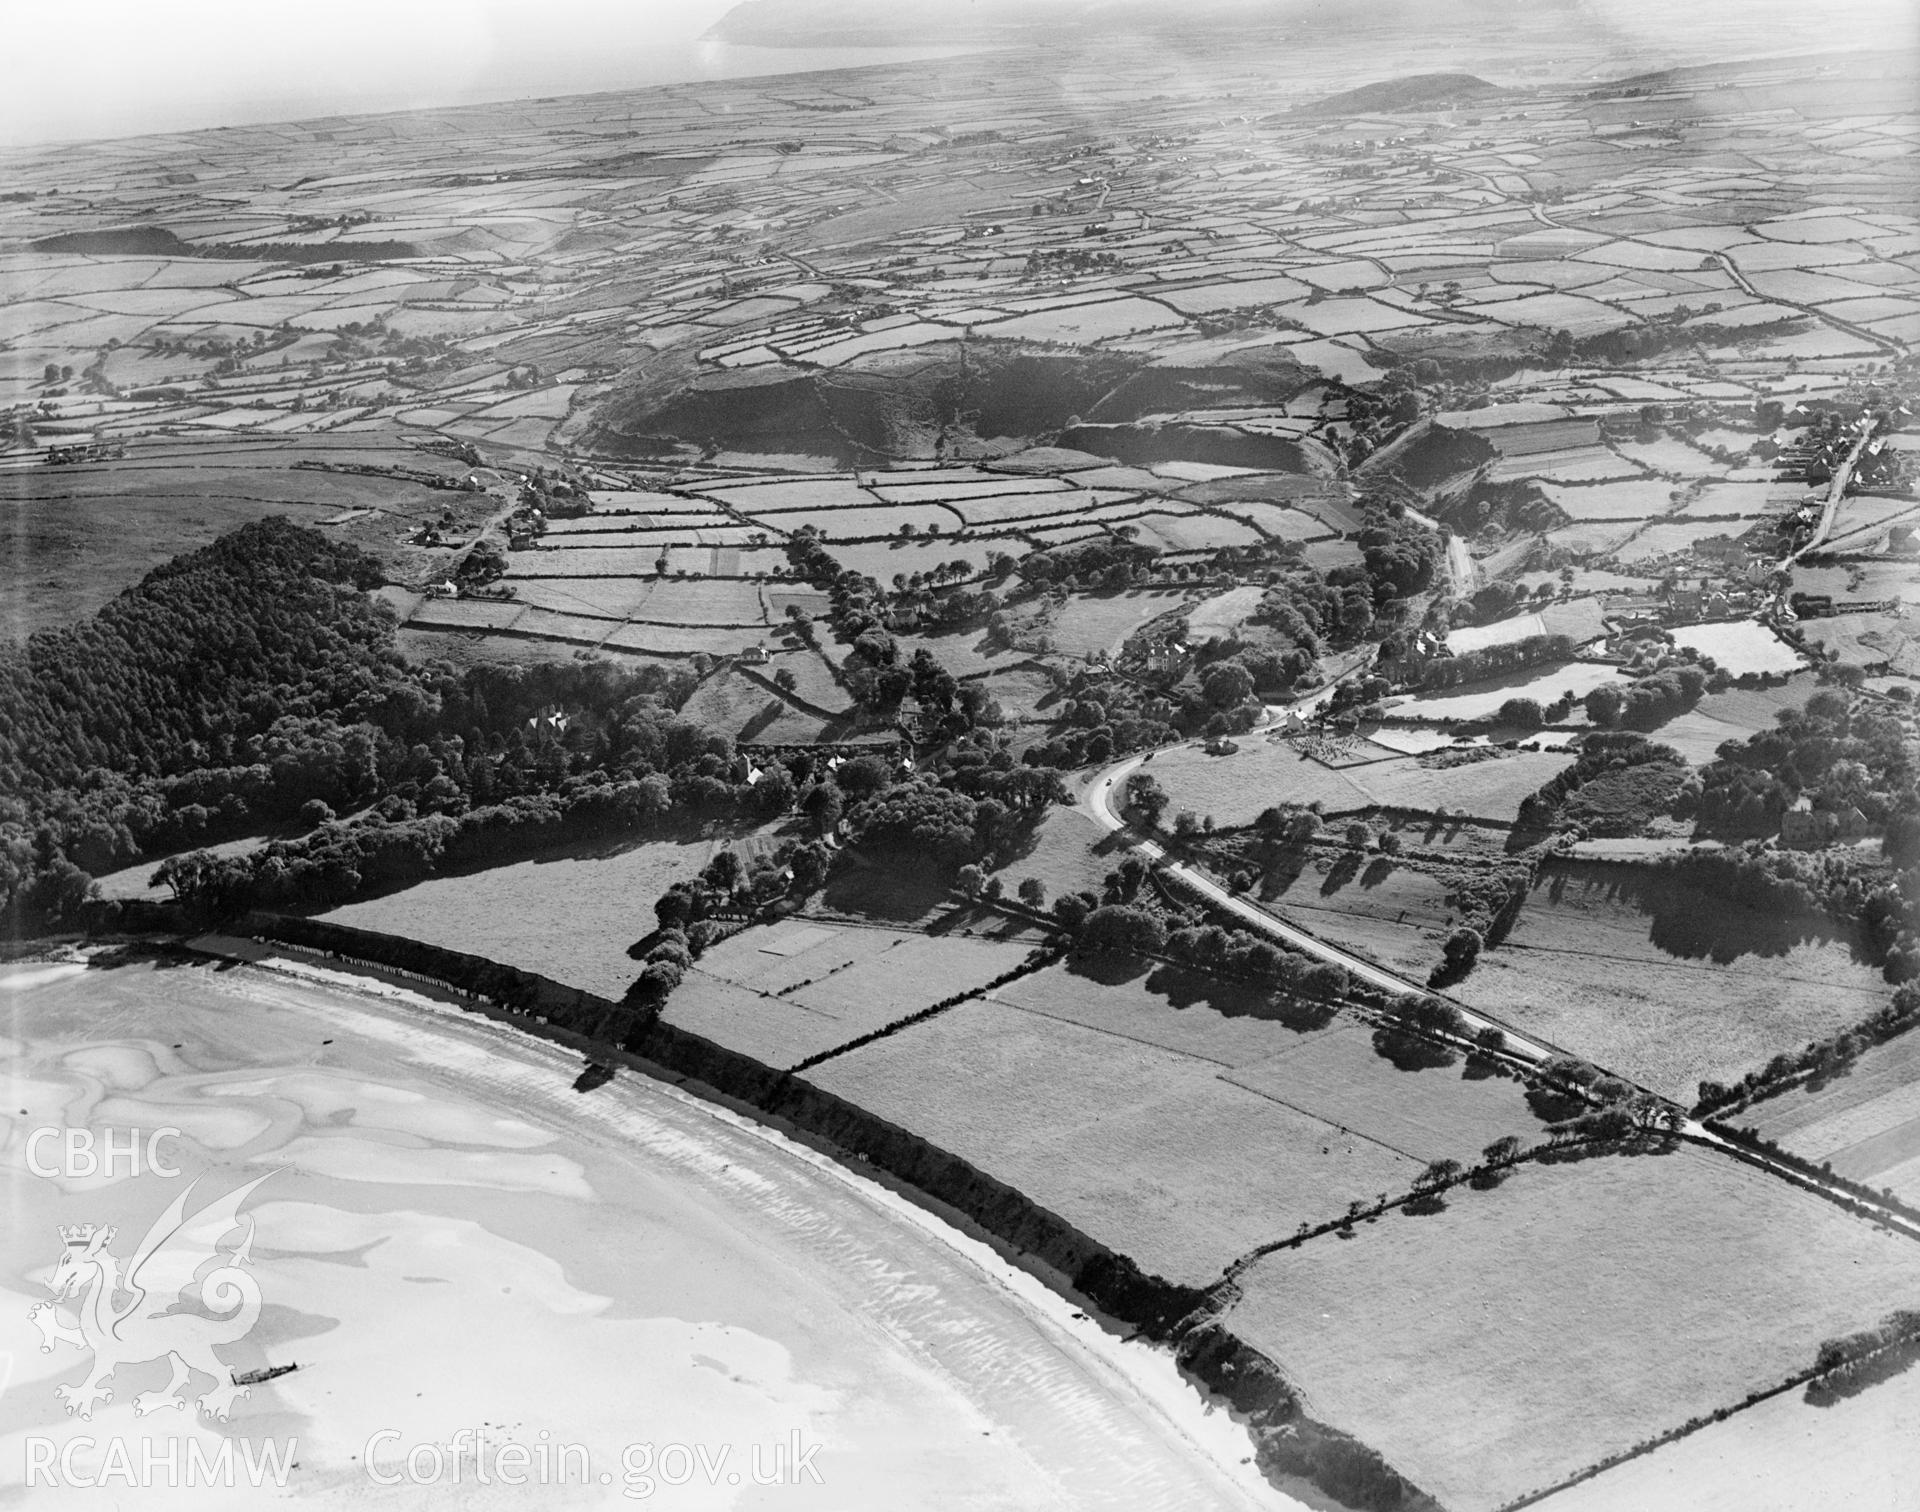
(896, 894)
(1109, 968)
(1694, 924)
(1344, 869)
(1550, 1106)
(1186, 990)
(1409, 1052)
(1283, 870)
(1850, 1381)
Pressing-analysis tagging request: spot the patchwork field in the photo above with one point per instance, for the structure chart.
(1509, 1341)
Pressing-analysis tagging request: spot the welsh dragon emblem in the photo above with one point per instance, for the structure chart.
(128, 1318)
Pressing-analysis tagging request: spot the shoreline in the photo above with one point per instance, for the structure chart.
(1162, 1385)
(1292, 1455)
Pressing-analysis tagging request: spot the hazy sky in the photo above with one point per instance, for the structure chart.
(90, 68)
(95, 68)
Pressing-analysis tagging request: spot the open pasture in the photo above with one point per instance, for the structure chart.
(1386, 911)
(1411, 1099)
(570, 915)
(1037, 507)
(1626, 967)
(882, 559)
(798, 493)
(1784, 1455)
(959, 484)
(1482, 700)
(1088, 623)
(636, 501)
(1224, 612)
(1632, 499)
(1067, 851)
(1185, 532)
(1593, 464)
(1489, 790)
(614, 598)
(744, 710)
(681, 640)
(1263, 772)
(1745, 501)
(1648, 543)
(857, 523)
(468, 614)
(1146, 1149)
(1526, 1331)
(1276, 520)
(1740, 646)
(784, 992)
(1865, 1121)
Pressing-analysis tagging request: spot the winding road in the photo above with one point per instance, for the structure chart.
(1098, 801)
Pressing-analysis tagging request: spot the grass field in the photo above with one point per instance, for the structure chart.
(77, 536)
(744, 710)
(1422, 1110)
(1754, 709)
(1223, 612)
(1483, 789)
(1144, 1148)
(1865, 1121)
(1234, 789)
(1743, 646)
(1391, 913)
(1101, 622)
(1526, 1331)
(803, 986)
(570, 916)
(1861, 1453)
(1405, 1097)
(1665, 987)
(1068, 852)
(1481, 700)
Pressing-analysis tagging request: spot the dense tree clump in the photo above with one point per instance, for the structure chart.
(1605, 756)
(1840, 752)
(1401, 555)
(1494, 661)
(254, 684)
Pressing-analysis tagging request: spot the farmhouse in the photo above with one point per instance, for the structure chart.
(1807, 827)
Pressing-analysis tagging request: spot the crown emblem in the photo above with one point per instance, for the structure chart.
(80, 1236)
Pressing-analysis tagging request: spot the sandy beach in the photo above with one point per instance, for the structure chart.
(462, 1254)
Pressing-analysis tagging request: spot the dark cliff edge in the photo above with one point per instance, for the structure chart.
(1289, 1446)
